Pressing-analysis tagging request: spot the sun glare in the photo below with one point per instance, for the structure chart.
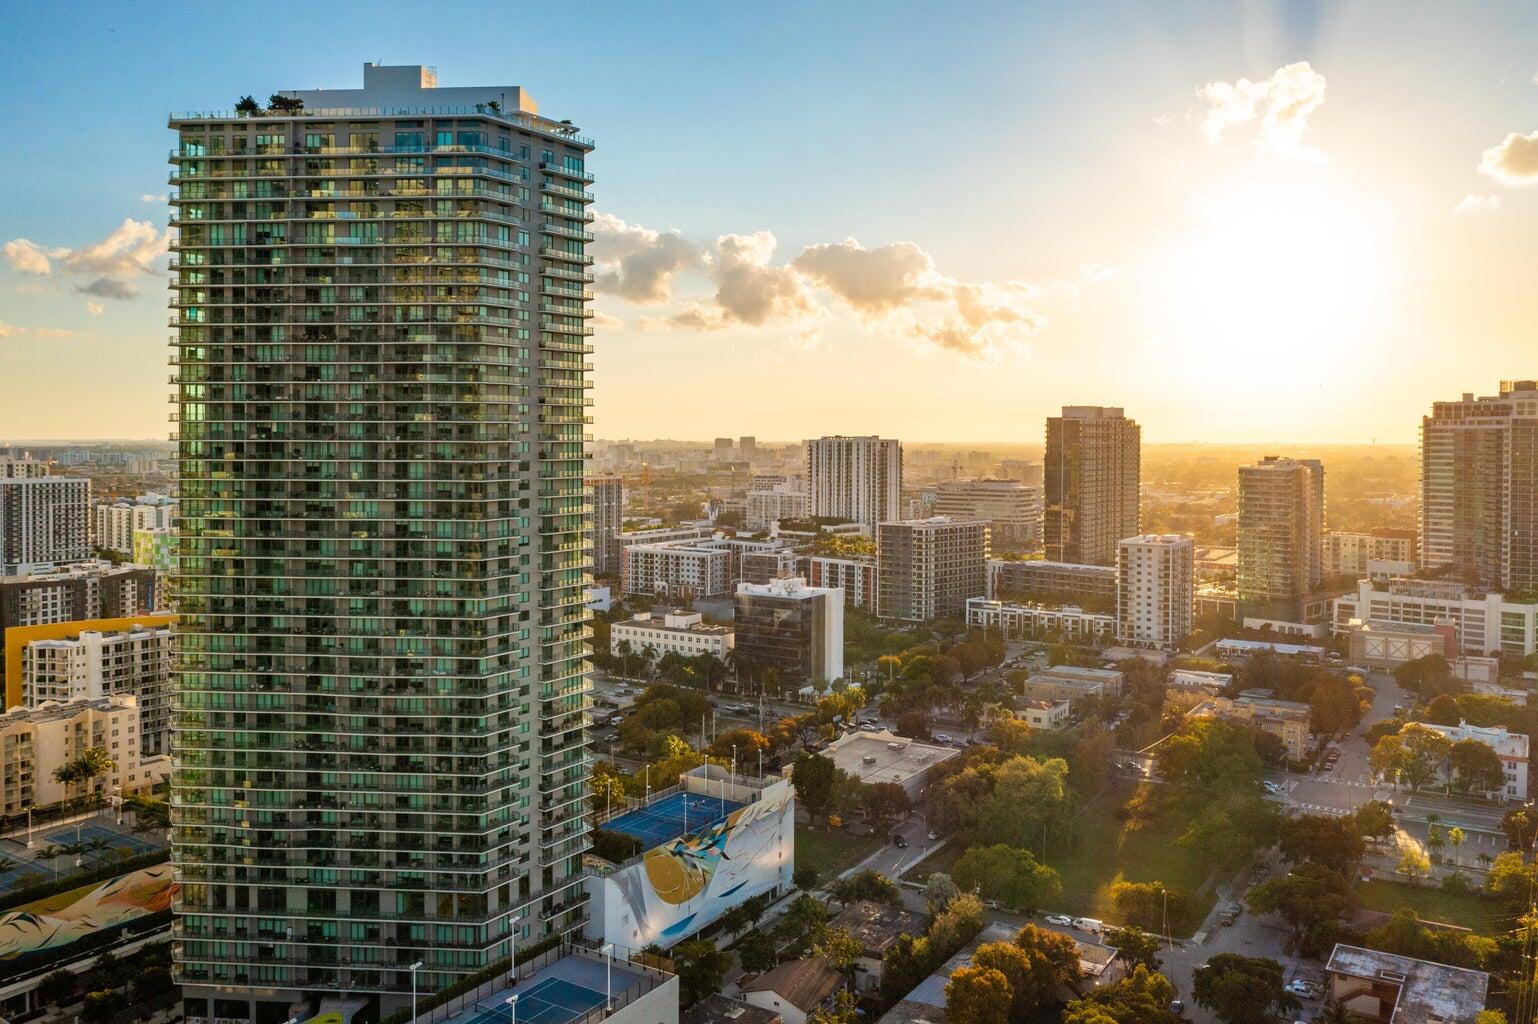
(1274, 275)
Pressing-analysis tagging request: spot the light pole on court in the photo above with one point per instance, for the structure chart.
(414, 968)
(608, 976)
(512, 1009)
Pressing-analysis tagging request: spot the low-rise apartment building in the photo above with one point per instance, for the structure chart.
(1484, 623)
(1510, 747)
(35, 741)
(1386, 988)
(672, 632)
(1033, 581)
(876, 927)
(1194, 681)
(856, 577)
(1286, 720)
(88, 664)
(1348, 553)
(1031, 622)
(1047, 715)
(1070, 682)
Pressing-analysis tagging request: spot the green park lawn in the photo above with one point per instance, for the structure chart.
(832, 850)
(1432, 903)
(1103, 853)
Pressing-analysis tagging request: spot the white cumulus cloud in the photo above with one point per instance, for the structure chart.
(1477, 204)
(128, 251)
(1276, 109)
(1514, 161)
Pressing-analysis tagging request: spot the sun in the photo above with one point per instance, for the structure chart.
(1276, 274)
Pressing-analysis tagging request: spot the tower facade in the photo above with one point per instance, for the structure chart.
(855, 478)
(1091, 476)
(381, 338)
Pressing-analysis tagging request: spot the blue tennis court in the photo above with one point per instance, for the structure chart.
(13, 871)
(551, 1001)
(674, 815)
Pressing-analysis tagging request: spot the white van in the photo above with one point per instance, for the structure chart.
(1089, 924)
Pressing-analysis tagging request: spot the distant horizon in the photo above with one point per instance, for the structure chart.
(707, 442)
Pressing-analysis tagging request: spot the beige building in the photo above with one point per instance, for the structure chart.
(855, 478)
(92, 664)
(36, 741)
(1287, 720)
(1155, 590)
(676, 632)
(929, 568)
(1356, 554)
(1281, 534)
(1047, 715)
(1070, 682)
(1011, 509)
(1091, 478)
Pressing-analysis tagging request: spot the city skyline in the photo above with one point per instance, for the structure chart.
(1144, 200)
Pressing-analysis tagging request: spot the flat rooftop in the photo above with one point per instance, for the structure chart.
(893, 758)
(1430, 992)
(566, 990)
(719, 1009)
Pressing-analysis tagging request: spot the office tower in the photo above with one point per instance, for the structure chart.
(749, 445)
(1280, 535)
(1091, 479)
(90, 663)
(1155, 590)
(723, 448)
(791, 627)
(608, 517)
(1479, 488)
(1011, 509)
(381, 334)
(116, 521)
(855, 478)
(44, 519)
(927, 568)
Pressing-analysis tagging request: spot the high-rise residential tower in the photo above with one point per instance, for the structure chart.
(1091, 476)
(1479, 488)
(1280, 535)
(45, 520)
(1155, 590)
(381, 332)
(608, 518)
(1011, 509)
(855, 478)
(927, 568)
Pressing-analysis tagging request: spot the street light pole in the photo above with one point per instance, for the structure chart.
(512, 1010)
(608, 979)
(414, 968)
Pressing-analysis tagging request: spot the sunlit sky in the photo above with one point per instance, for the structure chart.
(937, 222)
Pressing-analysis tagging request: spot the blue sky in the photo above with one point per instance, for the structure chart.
(1053, 155)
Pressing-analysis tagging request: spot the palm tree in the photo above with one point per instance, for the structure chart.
(1455, 837)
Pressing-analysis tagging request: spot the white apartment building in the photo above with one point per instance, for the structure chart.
(855, 478)
(672, 632)
(1485, 623)
(93, 664)
(1155, 590)
(856, 577)
(44, 520)
(673, 569)
(1511, 747)
(34, 741)
(1347, 553)
(1048, 715)
(116, 521)
(782, 501)
(1011, 509)
(1479, 488)
(1031, 621)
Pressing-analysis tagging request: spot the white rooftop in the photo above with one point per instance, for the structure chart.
(896, 758)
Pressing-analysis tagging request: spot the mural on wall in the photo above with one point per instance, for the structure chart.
(692, 880)
(40, 925)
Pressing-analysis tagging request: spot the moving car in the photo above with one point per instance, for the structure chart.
(1061, 920)
(899, 841)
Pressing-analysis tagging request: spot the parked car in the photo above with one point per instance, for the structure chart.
(1061, 920)
(991, 904)
(869, 727)
(1093, 925)
(933, 835)
(941, 737)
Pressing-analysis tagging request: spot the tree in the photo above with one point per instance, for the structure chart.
(939, 891)
(1010, 734)
(1456, 837)
(1443, 710)
(756, 952)
(285, 104)
(1143, 997)
(1332, 842)
(1242, 989)
(977, 995)
(57, 987)
(1312, 900)
(1374, 819)
(1427, 676)
(1414, 865)
(814, 776)
(865, 885)
(905, 963)
(843, 1011)
(246, 106)
(838, 947)
(92, 763)
(1512, 879)
(1144, 903)
(1520, 828)
(883, 802)
(1007, 874)
(747, 744)
(1037, 963)
(701, 969)
(1476, 767)
(805, 877)
(1210, 756)
(955, 926)
(1135, 946)
(1414, 756)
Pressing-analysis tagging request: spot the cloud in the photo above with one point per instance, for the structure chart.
(108, 288)
(95, 308)
(130, 249)
(639, 264)
(1095, 273)
(749, 290)
(1477, 204)
(605, 322)
(149, 198)
(12, 331)
(1514, 161)
(1277, 108)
